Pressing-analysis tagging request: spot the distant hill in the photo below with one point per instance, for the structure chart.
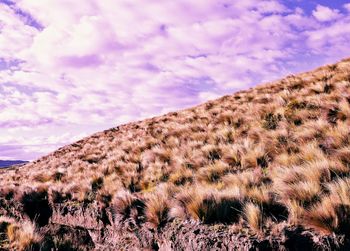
(7, 163)
(266, 168)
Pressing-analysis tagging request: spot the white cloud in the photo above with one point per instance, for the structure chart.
(324, 13)
(331, 40)
(15, 35)
(95, 64)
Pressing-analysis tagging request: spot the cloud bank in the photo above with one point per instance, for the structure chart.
(70, 68)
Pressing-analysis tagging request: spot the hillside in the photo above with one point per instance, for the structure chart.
(264, 168)
(7, 163)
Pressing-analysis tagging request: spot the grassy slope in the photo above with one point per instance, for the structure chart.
(275, 154)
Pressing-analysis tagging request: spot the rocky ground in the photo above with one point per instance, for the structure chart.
(66, 226)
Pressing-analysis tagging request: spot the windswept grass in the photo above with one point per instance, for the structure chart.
(15, 235)
(271, 155)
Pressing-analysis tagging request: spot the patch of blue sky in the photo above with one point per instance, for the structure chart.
(309, 5)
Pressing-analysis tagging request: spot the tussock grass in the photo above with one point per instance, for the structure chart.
(253, 216)
(274, 154)
(126, 205)
(157, 210)
(15, 235)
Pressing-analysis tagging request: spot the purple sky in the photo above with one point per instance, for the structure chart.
(71, 68)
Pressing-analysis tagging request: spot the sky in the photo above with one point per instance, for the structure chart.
(72, 68)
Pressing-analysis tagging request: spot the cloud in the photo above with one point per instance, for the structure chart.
(83, 66)
(15, 35)
(347, 7)
(331, 40)
(324, 13)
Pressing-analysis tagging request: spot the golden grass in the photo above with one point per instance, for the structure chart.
(157, 210)
(253, 216)
(15, 235)
(245, 157)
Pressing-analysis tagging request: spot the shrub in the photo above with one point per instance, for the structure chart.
(214, 154)
(96, 183)
(271, 121)
(333, 115)
(327, 88)
(36, 206)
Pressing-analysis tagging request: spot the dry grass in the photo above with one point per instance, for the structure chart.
(127, 206)
(253, 216)
(20, 236)
(211, 206)
(277, 153)
(332, 214)
(157, 210)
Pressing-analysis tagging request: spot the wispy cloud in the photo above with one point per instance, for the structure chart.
(80, 66)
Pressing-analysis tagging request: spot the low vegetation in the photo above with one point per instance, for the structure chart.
(277, 154)
(16, 235)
